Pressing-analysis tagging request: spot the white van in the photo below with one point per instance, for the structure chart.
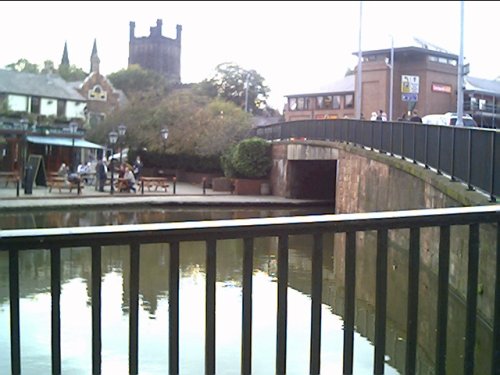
(449, 118)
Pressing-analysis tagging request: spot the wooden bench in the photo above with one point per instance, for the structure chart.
(154, 182)
(10, 177)
(62, 183)
(121, 185)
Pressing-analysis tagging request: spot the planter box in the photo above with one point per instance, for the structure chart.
(222, 184)
(243, 186)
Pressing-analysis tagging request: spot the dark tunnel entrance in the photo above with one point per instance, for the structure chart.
(312, 179)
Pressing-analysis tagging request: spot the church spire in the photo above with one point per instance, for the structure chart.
(65, 58)
(94, 59)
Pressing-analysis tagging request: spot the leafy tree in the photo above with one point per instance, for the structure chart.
(71, 73)
(230, 82)
(135, 81)
(23, 65)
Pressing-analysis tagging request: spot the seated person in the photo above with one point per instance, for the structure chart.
(130, 179)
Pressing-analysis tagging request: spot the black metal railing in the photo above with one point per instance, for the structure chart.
(133, 236)
(470, 155)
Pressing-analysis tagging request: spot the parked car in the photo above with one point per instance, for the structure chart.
(449, 118)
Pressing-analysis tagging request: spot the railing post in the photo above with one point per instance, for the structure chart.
(442, 301)
(426, 148)
(492, 169)
(246, 336)
(55, 291)
(453, 153)
(15, 340)
(438, 167)
(96, 311)
(414, 142)
(174, 179)
(381, 301)
(412, 306)
(391, 151)
(316, 292)
(142, 187)
(134, 310)
(204, 185)
(17, 187)
(282, 305)
(173, 310)
(349, 301)
(211, 262)
(469, 161)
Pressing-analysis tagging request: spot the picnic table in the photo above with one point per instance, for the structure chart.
(10, 177)
(154, 182)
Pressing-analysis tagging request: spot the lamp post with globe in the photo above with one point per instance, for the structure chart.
(73, 126)
(113, 137)
(164, 136)
(122, 129)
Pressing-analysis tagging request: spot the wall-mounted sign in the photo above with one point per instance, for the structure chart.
(439, 87)
(409, 97)
(409, 84)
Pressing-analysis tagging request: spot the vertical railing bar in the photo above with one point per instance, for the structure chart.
(469, 160)
(381, 301)
(316, 293)
(470, 317)
(438, 169)
(495, 353)
(55, 291)
(452, 173)
(402, 142)
(173, 310)
(414, 143)
(426, 148)
(492, 169)
(350, 294)
(412, 308)
(210, 307)
(392, 140)
(15, 340)
(442, 299)
(282, 304)
(134, 309)
(246, 337)
(96, 311)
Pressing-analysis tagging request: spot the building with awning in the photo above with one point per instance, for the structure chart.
(60, 141)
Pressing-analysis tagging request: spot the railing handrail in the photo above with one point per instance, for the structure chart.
(231, 228)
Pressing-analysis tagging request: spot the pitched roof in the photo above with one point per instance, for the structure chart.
(343, 85)
(482, 85)
(45, 85)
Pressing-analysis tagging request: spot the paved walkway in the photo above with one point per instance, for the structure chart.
(185, 194)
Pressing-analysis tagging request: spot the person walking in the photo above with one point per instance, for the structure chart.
(138, 168)
(101, 171)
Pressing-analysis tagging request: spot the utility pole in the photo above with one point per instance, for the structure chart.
(246, 92)
(391, 90)
(360, 68)
(460, 83)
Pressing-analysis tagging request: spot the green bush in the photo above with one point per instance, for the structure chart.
(250, 158)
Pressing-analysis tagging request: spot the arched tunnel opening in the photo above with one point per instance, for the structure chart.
(312, 179)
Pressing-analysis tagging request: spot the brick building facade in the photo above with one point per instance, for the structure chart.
(423, 79)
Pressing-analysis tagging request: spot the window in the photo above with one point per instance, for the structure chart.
(300, 104)
(97, 93)
(349, 101)
(292, 104)
(328, 101)
(35, 105)
(61, 108)
(336, 102)
(319, 102)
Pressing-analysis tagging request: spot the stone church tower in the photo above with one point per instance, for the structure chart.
(156, 52)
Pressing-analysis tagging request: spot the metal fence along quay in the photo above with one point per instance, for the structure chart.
(56, 240)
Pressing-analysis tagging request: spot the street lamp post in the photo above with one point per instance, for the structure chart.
(73, 125)
(113, 137)
(122, 129)
(164, 136)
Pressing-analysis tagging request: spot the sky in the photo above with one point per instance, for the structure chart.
(296, 46)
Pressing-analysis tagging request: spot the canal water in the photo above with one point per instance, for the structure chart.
(76, 296)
